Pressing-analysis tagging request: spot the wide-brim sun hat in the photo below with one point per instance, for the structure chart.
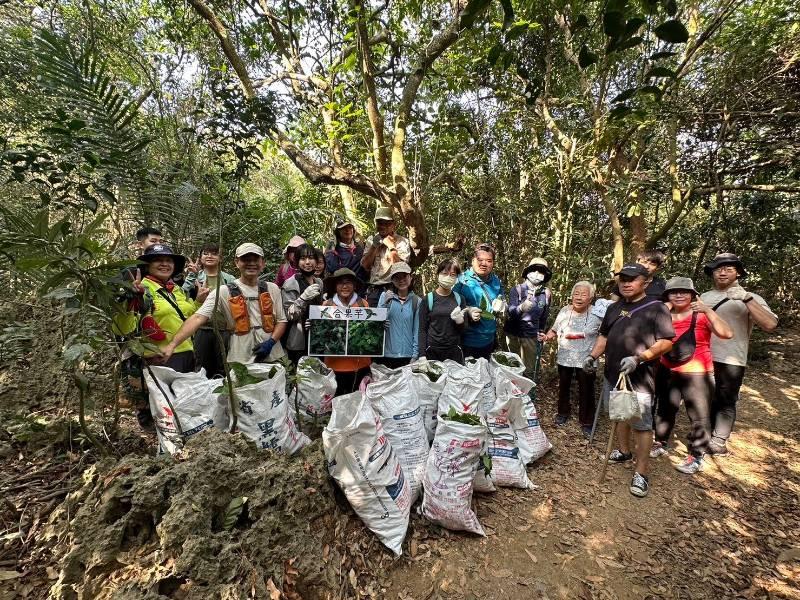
(538, 264)
(157, 250)
(726, 258)
(679, 283)
(338, 275)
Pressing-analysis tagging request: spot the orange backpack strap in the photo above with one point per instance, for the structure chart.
(239, 310)
(266, 306)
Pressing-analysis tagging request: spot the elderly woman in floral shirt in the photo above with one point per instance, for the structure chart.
(576, 327)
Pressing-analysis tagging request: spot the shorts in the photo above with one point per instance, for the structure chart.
(645, 423)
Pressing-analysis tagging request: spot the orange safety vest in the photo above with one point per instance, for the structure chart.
(241, 315)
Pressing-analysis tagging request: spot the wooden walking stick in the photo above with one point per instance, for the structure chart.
(608, 451)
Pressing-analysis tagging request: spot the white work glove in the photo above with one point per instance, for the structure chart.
(736, 292)
(589, 364)
(474, 313)
(457, 315)
(628, 365)
(499, 305)
(310, 292)
(526, 306)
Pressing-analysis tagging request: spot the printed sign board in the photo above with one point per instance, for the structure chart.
(346, 331)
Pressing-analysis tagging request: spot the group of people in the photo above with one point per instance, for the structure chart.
(670, 343)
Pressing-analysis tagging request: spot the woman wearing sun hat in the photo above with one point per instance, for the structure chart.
(528, 307)
(163, 305)
(687, 372)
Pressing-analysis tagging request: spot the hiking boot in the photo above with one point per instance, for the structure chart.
(617, 456)
(691, 465)
(717, 448)
(658, 449)
(561, 420)
(586, 430)
(639, 485)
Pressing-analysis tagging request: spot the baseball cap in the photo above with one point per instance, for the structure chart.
(249, 248)
(633, 270)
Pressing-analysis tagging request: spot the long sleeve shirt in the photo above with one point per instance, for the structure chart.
(436, 328)
(526, 324)
(403, 332)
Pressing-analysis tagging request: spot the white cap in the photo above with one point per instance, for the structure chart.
(249, 248)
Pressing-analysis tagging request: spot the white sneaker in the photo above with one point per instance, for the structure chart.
(639, 485)
(658, 449)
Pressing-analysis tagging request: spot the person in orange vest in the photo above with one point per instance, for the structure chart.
(253, 311)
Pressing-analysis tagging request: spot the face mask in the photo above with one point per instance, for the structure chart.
(447, 281)
(535, 277)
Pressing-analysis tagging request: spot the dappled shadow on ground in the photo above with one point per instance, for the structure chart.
(731, 531)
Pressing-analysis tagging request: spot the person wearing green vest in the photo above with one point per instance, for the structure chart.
(164, 306)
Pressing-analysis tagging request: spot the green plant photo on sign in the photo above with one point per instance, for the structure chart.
(365, 338)
(328, 337)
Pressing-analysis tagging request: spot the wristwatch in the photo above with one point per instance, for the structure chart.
(746, 300)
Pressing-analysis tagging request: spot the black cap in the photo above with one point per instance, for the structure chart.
(633, 270)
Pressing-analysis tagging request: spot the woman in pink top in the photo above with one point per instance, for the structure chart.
(289, 269)
(687, 372)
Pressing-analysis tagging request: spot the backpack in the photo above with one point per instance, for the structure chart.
(683, 348)
(429, 297)
(241, 316)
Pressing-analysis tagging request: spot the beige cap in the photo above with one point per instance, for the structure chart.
(249, 248)
(384, 213)
(399, 267)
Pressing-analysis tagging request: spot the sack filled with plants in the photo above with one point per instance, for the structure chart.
(450, 471)
(365, 466)
(463, 389)
(396, 405)
(480, 366)
(428, 379)
(193, 401)
(264, 414)
(316, 387)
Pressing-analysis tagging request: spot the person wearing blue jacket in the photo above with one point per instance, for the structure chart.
(402, 315)
(528, 308)
(482, 292)
(346, 252)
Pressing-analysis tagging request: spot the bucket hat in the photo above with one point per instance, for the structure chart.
(156, 250)
(538, 264)
(679, 283)
(339, 274)
(384, 213)
(634, 270)
(726, 258)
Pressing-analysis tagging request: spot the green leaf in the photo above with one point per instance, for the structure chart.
(625, 95)
(486, 463)
(613, 23)
(633, 25)
(471, 12)
(581, 21)
(615, 46)
(508, 13)
(234, 511)
(671, 7)
(76, 352)
(586, 57)
(672, 31)
(660, 72)
(653, 90)
(519, 28)
(494, 53)
(660, 55)
(620, 112)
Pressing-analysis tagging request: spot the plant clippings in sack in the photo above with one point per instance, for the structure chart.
(506, 360)
(459, 417)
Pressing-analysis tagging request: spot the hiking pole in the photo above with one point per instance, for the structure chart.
(536, 365)
(608, 451)
(596, 417)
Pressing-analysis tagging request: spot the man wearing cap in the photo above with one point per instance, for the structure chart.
(635, 332)
(741, 310)
(253, 312)
(482, 292)
(345, 251)
(382, 251)
(528, 307)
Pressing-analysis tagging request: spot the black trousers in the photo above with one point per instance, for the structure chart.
(393, 362)
(482, 352)
(585, 393)
(348, 381)
(723, 407)
(454, 352)
(207, 353)
(696, 390)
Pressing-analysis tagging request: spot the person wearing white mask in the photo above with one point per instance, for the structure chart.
(442, 317)
(528, 308)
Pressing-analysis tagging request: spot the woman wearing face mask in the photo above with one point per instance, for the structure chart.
(576, 327)
(302, 290)
(441, 317)
(528, 307)
(402, 306)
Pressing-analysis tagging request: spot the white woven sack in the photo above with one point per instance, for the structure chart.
(428, 379)
(397, 406)
(450, 473)
(264, 414)
(361, 460)
(315, 389)
(463, 389)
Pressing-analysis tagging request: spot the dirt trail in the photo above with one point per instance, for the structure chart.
(729, 532)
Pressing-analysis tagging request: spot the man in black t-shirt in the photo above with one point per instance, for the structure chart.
(635, 332)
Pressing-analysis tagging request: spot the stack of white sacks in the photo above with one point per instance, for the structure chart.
(394, 443)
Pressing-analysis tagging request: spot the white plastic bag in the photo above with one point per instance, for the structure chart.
(193, 399)
(394, 402)
(449, 475)
(531, 440)
(463, 389)
(428, 379)
(514, 362)
(264, 414)
(361, 460)
(623, 403)
(315, 389)
(480, 367)
(379, 371)
(508, 468)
